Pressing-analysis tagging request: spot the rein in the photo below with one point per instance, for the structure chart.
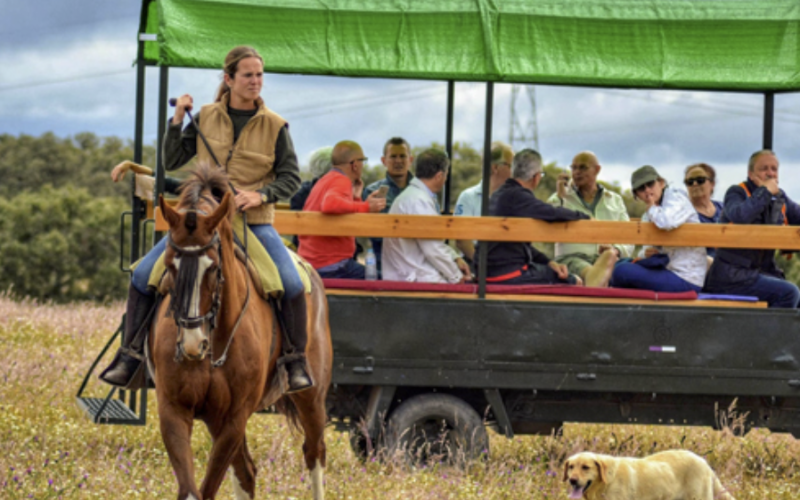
(179, 308)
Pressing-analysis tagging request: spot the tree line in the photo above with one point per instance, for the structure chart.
(60, 212)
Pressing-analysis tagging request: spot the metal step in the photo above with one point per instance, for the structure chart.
(114, 411)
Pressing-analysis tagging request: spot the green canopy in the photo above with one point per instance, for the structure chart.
(695, 44)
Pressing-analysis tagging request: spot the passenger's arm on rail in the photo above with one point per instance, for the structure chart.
(538, 209)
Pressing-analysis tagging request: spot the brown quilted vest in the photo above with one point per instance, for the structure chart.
(249, 161)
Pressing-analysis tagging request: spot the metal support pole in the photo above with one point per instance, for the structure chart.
(487, 172)
(448, 144)
(769, 119)
(163, 91)
(137, 206)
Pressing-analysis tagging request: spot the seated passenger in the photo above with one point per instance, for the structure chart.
(423, 260)
(519, 263)
(470, 201)
(699, 179)
(318, 165)
(397, 159)
(758, 200)
(664, 269)
(338, 192)
(593, 263)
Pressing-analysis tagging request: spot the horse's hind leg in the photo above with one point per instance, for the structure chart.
(244, 474)
(228, 436)
(311, 413)
(176, 431)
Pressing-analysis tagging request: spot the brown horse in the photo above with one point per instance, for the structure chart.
(215, 346)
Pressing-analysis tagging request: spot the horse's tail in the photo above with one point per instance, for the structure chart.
(286, 407)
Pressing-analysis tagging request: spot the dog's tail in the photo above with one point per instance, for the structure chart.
(720, 493)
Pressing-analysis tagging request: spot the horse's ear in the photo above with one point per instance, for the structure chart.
(172, 216)
(222, 211)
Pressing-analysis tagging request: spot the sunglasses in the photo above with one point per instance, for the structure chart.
(644, 186)
(696, 181)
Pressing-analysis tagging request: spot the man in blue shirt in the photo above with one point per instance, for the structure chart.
(397, 159)
(758, 200)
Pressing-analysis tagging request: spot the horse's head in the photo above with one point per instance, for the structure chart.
(193, 259)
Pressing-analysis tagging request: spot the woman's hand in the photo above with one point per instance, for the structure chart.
(183, 104)
(245, 200)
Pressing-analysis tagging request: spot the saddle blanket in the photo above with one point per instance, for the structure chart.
(267, 271)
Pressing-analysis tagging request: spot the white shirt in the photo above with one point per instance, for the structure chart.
(418, 260)
(689, 263)
(469, 201)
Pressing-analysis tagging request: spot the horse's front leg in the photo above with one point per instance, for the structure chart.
(228, 437)
(176, 431)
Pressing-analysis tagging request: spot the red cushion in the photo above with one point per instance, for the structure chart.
(574, 291)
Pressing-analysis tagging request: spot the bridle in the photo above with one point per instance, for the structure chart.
(183, 322)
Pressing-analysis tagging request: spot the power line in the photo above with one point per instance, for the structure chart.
(65, 80)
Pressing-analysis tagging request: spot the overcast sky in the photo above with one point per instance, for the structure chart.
(67, 68)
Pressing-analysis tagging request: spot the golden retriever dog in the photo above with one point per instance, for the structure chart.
(669, 475)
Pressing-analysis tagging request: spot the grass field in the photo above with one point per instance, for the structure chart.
(48, 449)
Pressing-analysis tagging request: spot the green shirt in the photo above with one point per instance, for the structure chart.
(610, 206)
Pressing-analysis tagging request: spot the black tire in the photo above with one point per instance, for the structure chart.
(436, 428)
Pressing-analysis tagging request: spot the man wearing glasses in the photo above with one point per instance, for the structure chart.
(758, 200)
(470, 200)
(338, 192)
(593, 263)
(517, 263)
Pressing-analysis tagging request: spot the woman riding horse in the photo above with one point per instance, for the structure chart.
(257, 153)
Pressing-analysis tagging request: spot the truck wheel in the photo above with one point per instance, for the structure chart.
(436, 427)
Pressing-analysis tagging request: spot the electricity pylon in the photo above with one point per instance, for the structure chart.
(523, 130)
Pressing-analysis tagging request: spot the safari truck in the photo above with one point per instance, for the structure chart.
(421, 358)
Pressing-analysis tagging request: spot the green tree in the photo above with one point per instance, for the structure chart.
(60, 244)
(27, 163)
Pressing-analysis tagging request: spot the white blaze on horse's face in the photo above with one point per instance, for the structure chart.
(195, 340)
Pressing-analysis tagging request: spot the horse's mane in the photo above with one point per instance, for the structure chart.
(204, 178)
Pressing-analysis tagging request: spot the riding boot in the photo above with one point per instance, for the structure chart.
(127, 366)
(295, 321)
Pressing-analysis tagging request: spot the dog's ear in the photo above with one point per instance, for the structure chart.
(566, 467)
(602, 468)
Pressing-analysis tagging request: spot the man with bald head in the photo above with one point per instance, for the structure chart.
(757, 200)
(338, 192)
(593, 263)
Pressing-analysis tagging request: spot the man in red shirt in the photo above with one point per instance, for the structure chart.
(339, 192)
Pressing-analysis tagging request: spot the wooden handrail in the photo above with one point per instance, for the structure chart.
(519, 229)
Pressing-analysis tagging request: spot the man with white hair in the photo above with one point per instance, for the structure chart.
(519, 263)
(744, 271)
